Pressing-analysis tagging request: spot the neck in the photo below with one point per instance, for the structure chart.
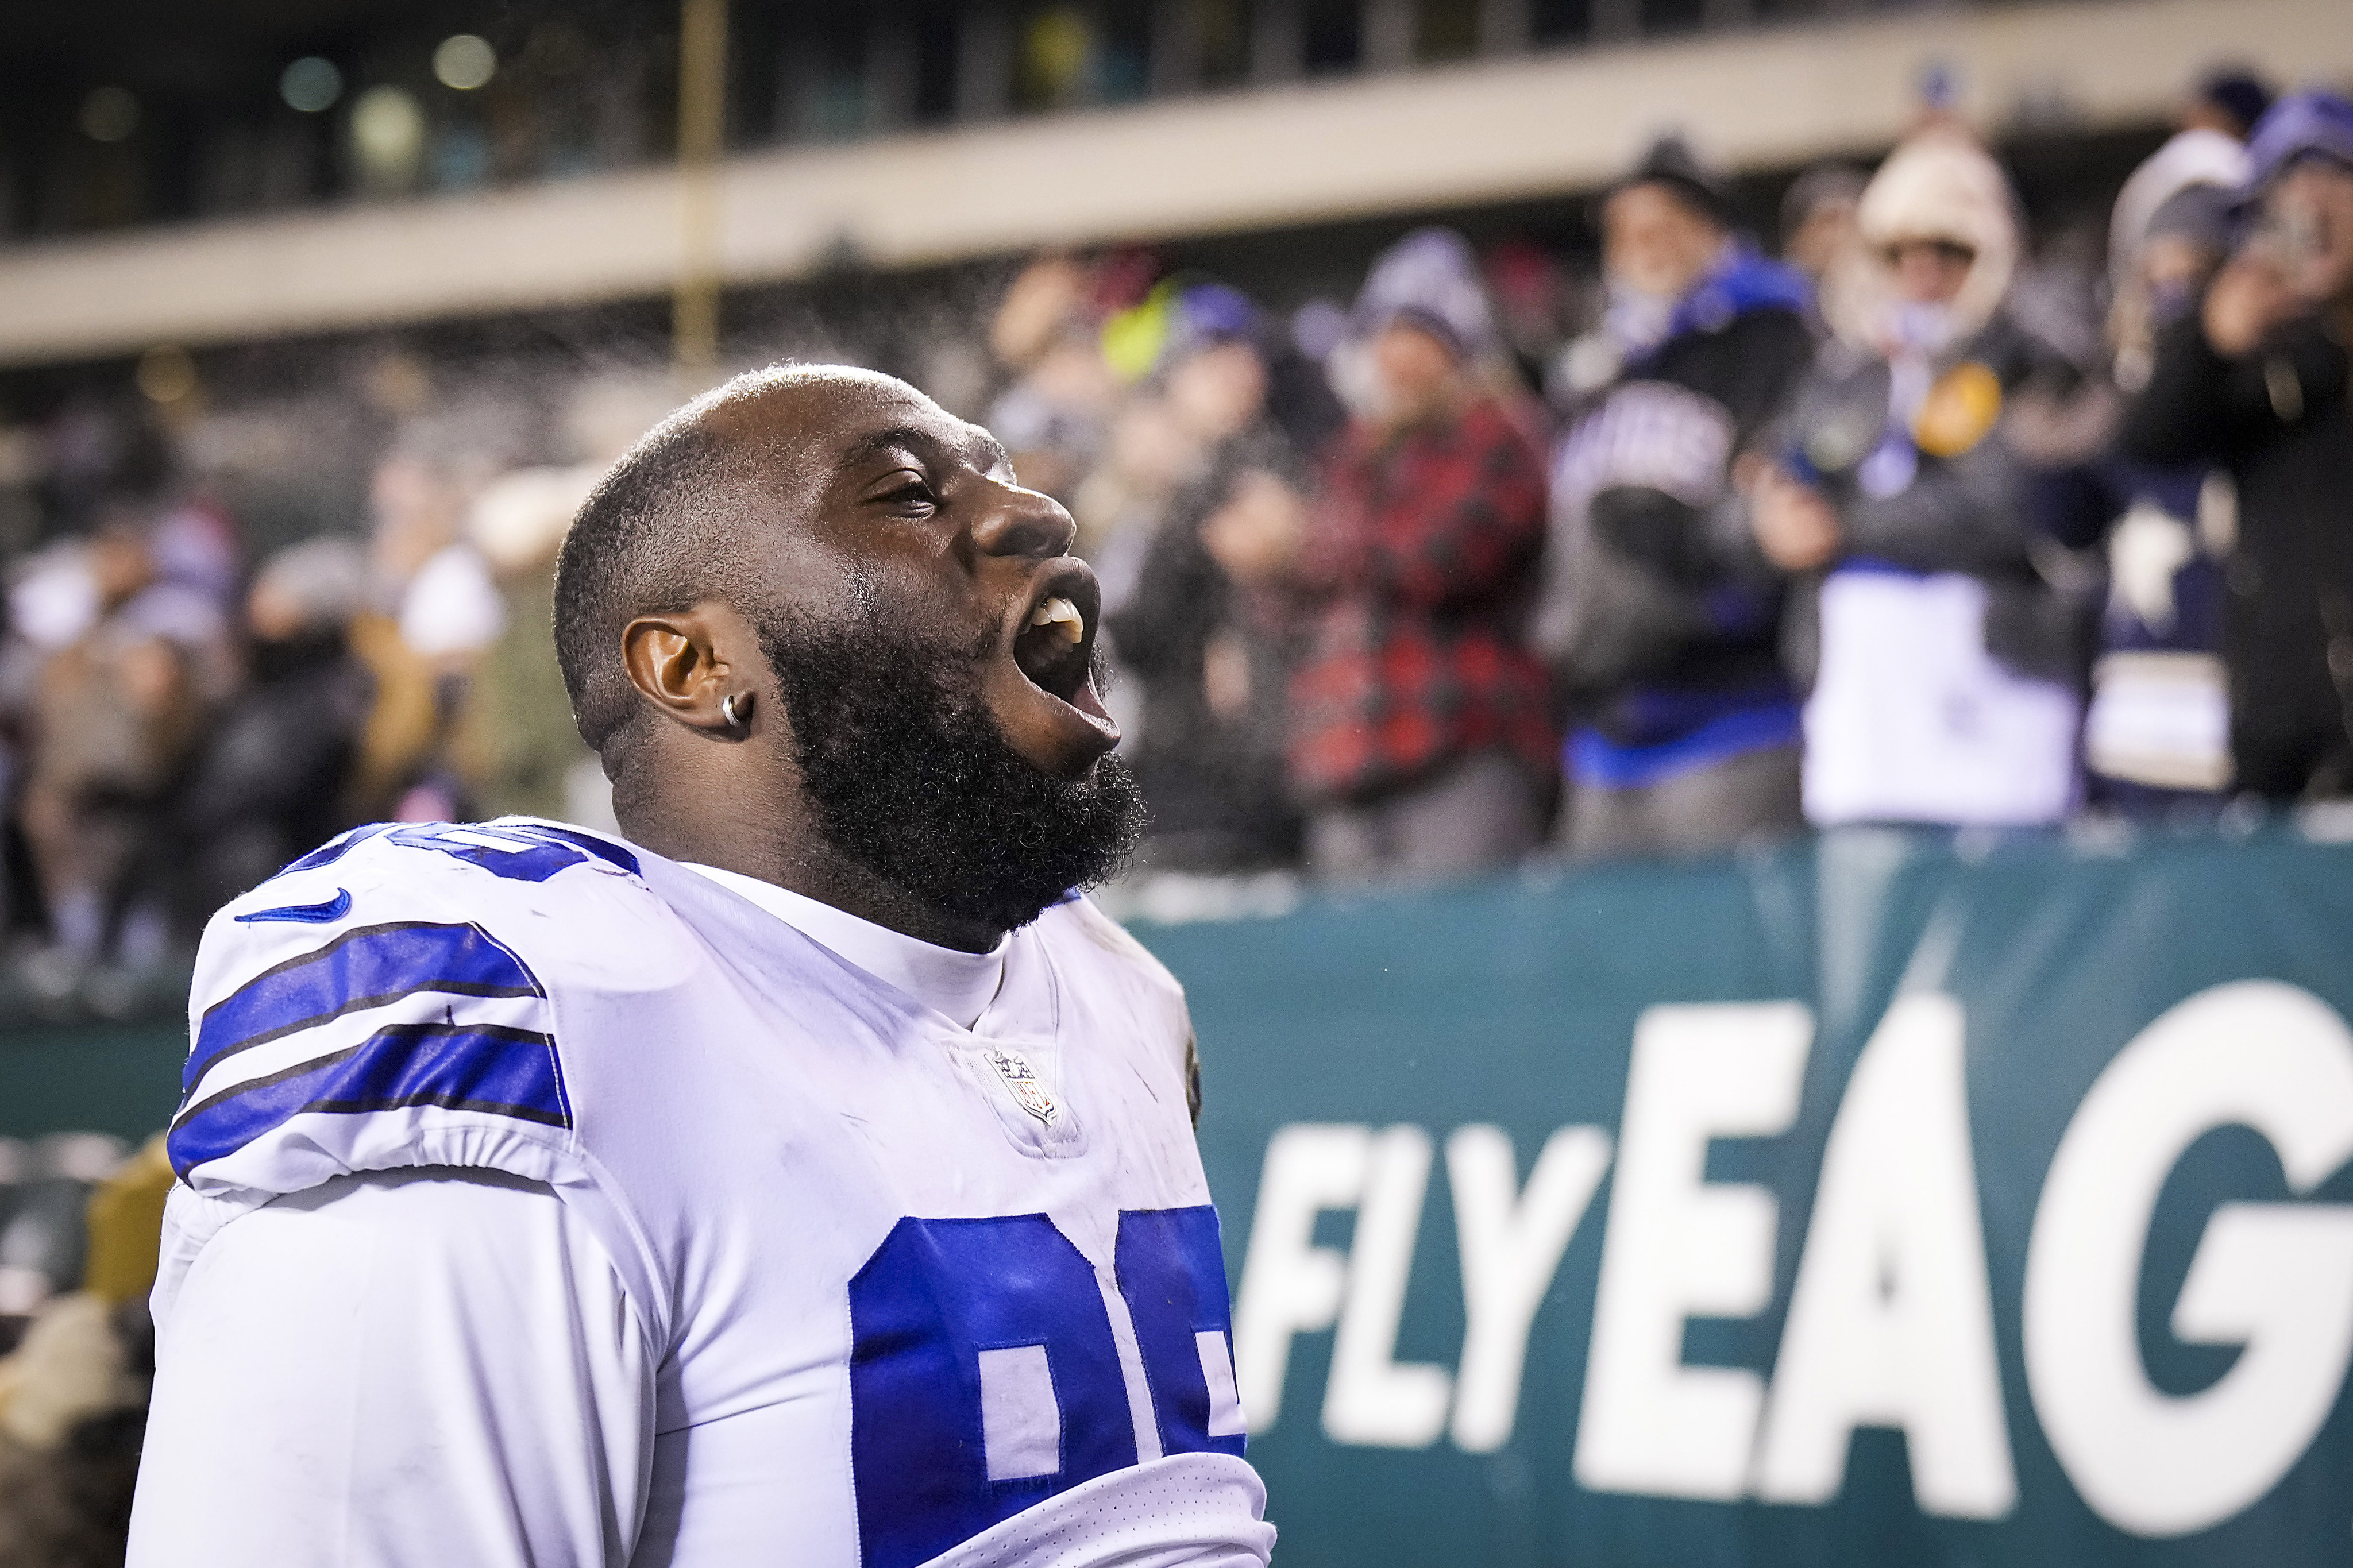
(774, 838)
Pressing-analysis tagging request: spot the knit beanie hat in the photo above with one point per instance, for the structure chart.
(1669, 161)
(1429, 278)
(2299, 126)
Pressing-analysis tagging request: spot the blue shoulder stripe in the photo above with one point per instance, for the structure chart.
(365, 967)
(466, 1067)
(603, 849)
(332, 850)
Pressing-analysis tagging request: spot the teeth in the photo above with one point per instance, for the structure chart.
(1063, 616)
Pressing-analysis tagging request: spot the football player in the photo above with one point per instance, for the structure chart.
(806, 1179)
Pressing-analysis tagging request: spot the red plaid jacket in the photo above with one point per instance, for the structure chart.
(1417, 577)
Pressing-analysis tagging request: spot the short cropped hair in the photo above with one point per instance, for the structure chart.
(666, 528)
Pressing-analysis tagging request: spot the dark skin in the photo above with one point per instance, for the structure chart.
(868, 486)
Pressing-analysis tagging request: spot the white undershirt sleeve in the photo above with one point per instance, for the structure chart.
(422, 1369)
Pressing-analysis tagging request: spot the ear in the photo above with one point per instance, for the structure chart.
(675, 660)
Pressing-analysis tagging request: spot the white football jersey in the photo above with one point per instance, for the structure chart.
(912, 1292)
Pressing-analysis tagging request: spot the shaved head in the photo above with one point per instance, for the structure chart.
(819, 633)
(670, 526)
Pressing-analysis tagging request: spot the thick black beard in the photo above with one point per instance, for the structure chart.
(912, 778)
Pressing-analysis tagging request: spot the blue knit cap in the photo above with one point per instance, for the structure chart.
(1429, 278)
(2301, 125)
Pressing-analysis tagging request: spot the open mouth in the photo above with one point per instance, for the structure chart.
(1054, 646)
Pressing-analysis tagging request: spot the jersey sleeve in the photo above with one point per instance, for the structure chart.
(418, 1368)
(363, 1011)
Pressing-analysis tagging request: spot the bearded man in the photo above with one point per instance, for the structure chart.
(809, 1179)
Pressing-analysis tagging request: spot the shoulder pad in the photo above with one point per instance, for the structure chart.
(1079, 916)
(363, 1010)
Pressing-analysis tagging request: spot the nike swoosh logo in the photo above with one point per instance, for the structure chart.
(320, 913)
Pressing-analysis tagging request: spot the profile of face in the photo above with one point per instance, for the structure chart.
(1929, 272)
(1418, 372)
(1656, 243)
(2308, 227)
(932, 644)
(1217, 392)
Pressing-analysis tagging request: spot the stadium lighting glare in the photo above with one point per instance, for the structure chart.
(109, 114)
(167, 374)
(464, 62)
(311, 84)
(388, 136)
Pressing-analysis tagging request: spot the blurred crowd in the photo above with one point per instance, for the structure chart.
(1900, 527)
(178, 720)
(1906, 524)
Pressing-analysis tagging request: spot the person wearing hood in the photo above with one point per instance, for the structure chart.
(2157, 733)
(2253, 380)
(1943, 667)
(1660, 627)
(1421, 743)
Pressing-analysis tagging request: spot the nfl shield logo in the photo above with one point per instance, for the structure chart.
(1028, 1093)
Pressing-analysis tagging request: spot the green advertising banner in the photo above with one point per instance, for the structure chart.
(1869, 1203)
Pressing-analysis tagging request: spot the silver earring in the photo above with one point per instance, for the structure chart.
(727, 708)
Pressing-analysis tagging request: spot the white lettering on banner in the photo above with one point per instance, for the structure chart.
(1891, 1321)
(1372, 1399)
(1511, 1241)
(2275, 1277)
(1677, 1247)
(1290, 1285)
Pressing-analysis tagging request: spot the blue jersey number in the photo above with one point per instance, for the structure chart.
(519, 853)
(984, 1375)
(1172, 1274)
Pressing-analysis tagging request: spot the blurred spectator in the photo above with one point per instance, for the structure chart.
(1817, 218)
(1943, 665)
(441, 610)
(116, 712)
(1118, 506)
(2156, 734)
(73, 1409)
(2171, 223)
(73, 1393)
(272, 778)
(2209, 146)
(518, 748)
(1421, 743)
(1209, 754)
(1661, 627)
(1052, 419)
(2230, 100)
(2254, 380)
(1531, 300)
